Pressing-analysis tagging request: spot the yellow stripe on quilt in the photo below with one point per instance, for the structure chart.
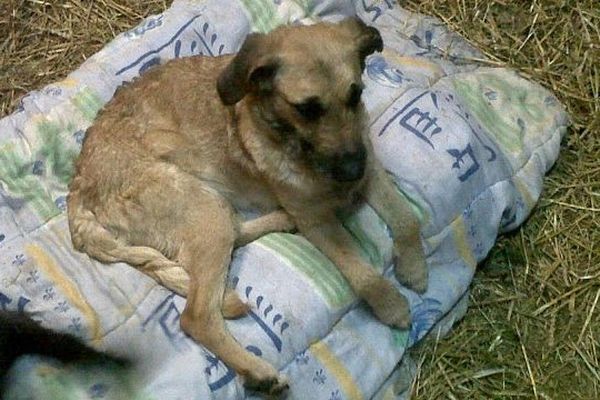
(69, 82)
(389, 393)
(420, 63)
(339, 371)
(461, 242)
(71, 292)
(524, 192)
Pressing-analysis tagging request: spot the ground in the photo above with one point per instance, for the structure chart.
(533, 328)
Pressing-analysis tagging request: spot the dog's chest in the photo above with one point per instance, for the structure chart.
(242, 190)
(250, 197)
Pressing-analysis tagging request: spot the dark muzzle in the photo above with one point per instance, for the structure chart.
(347, 167)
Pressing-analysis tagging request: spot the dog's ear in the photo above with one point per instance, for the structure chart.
(250, 70)
(368, 39)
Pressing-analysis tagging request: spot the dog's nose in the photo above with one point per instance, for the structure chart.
(350, 166)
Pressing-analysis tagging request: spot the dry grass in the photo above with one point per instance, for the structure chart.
(42, 41)
(533, 329)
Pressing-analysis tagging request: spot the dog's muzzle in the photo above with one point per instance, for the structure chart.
(345, 167)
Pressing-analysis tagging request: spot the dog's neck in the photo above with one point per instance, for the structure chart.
(259, 154)
(262, 156)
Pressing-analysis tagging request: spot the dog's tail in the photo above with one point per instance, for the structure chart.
(20, 335)
(89, 236)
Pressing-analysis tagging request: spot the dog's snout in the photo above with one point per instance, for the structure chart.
(350, 166)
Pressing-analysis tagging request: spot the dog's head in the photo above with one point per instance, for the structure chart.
(303, 86)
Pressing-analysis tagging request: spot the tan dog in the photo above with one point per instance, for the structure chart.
(281, 126)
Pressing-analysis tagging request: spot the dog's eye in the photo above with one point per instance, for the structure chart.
(284, 127)
(311, 109)
(354, 96)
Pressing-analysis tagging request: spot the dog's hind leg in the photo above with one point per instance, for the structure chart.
(89, 236)
(167, 209)
(208, 241)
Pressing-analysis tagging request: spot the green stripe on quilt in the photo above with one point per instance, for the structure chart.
(400, 338)
(88, 103)
(54, 150)
(16, 176)
(263, 16)
(504, 106)
(367, 247)
(306, 259)
(307, 6)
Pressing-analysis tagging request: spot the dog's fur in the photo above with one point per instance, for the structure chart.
(279, 126)
(20, 335)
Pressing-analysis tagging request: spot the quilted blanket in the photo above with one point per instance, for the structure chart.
(468, 146)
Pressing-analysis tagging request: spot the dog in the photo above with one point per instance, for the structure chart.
(279, 127)
(21, 335)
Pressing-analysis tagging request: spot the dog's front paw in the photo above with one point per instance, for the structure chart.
(388, 304)
(410, 267)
